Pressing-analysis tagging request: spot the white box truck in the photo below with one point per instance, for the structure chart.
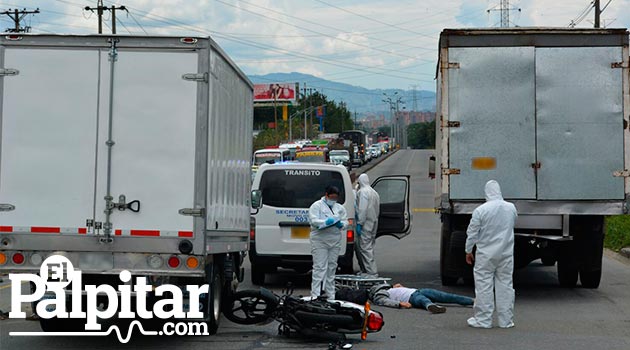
(125, 153)
(545, 113)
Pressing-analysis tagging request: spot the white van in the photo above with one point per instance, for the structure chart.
(281, 235)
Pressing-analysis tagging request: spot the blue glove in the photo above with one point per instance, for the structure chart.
(329, 221)
(359, 229)
(339, 224)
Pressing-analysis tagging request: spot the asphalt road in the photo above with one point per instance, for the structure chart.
(547, 316)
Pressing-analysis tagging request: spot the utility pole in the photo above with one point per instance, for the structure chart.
(504, 9)
(304, 102)
(310, 106)
(17, 16)
(99, 12)
(598, 13)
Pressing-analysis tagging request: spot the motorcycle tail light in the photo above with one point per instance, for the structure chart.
(364, 329)
(350, 236)
(375, 321)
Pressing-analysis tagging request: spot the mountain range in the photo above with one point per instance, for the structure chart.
(362, 100)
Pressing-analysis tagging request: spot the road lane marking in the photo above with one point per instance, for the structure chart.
(410, 161)
(9, 285)
(424, 210)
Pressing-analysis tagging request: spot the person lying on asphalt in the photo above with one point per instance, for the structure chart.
(399, 296)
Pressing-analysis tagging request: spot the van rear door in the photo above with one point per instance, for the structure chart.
(282, 224)
(394, 216)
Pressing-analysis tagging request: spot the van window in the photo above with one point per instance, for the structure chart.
(298, 188)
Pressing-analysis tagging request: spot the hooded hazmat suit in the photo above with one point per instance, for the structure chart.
(368, 206)
(325, 245)
(491, 230)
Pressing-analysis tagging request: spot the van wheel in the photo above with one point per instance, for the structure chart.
(548, 261)
(258, 275)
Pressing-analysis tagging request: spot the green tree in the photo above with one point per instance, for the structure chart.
(421, 135)
(337, 118)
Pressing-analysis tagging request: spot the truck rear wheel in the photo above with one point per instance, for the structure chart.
(212, 308)
(445, 254)
(567, 273)
(589, 242)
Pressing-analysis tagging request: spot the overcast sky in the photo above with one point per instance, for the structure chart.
(369, 43)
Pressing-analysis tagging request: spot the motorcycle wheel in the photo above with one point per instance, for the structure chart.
(250, 307)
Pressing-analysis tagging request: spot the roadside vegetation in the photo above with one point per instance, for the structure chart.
(421, 135)
(617, 232)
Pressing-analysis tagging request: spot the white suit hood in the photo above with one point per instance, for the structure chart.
(364, 181)
(493, 191)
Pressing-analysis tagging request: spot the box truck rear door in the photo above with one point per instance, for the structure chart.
(579, 123)
(48, 138)
(154, 134)
(491, 95)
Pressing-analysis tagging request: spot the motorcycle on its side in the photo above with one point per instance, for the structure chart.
(319, 318)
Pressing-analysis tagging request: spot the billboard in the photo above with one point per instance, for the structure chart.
(280, 92)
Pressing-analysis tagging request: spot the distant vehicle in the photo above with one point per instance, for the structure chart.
(544, 112)
(341, 157)
(375, 151)
(356, 158)
(312, 154)
(281, 237)
(292, 147)
(271, 155)
(359, 138)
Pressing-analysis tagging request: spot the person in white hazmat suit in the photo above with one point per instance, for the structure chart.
(368, 205)
(327, 219)
(491, 231)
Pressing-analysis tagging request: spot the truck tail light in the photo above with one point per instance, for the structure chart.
(3, 259)
(188, 40)
(18, 258)
(192, 262)
(252, 234)
(155, 261)
(36, 259)
(173, 262)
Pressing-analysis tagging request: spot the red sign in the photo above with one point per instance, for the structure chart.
(275, 92)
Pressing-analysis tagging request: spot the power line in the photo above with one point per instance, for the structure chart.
(375, 20)
(332, 62)
(138, 23)
(324, 25)
(582, 15)
(312, 31)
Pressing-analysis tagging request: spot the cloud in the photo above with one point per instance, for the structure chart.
(394, 39)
